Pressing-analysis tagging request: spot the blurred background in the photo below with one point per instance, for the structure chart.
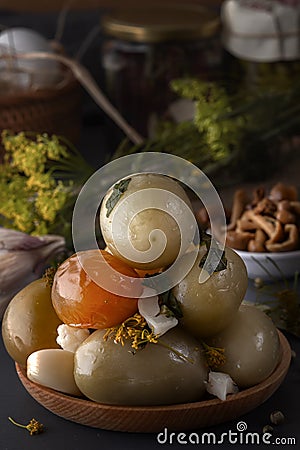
(55, 5)
(242, 111)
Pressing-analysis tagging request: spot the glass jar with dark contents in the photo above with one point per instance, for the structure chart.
(145, 48)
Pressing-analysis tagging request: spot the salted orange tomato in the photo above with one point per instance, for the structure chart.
(81, 302)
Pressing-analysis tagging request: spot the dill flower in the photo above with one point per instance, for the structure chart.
(34, 427)
(48, 275)
(211, 99)
(215, 356)
(39, 180)
(134, 329)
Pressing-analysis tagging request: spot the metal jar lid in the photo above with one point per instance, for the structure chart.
(161, 23)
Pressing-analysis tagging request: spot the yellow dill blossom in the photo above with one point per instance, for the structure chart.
(49, 202)
(133, 329)
(136, 330)
(42, 181)
(215, 356)
(34, 427)
(39, 181)
(55, 149)
(30, 160)
(48, 275)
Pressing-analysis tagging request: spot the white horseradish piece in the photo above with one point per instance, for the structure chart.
(220, 384)
(149, 308)
(69, 338)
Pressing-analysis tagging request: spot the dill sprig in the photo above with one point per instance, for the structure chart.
(39, 182)
(34, 427)
(134, 329)
(215, 356)
(231, 128)
(48, 275)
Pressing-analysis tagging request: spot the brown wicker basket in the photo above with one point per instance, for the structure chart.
(54, 110)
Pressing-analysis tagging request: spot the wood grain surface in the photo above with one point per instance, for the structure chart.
(181, 417)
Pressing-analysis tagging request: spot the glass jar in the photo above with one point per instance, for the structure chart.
(261, 40)
(146, 48)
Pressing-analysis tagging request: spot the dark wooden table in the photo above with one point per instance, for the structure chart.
(61, 434)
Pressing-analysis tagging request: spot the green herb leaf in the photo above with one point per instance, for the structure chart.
(118, 191)
(169, 305)
(217, 255)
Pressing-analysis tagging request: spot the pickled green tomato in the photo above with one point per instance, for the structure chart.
(209, 307)
(252, 347)
(136, 232)
(110, 373)
(30, 322)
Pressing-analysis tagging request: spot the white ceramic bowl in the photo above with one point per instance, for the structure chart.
(271, 266)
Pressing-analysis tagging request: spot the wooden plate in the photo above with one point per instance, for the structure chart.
(180, 417)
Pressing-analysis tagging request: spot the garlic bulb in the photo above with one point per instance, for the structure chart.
(24, 73)
(53, 368)
(23, 259)
(220, 384)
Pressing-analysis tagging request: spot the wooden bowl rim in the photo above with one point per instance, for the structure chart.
(277, 374)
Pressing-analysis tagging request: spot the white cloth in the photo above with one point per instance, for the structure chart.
(261, 30)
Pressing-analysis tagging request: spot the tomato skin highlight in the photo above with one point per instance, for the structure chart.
(81, 302)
